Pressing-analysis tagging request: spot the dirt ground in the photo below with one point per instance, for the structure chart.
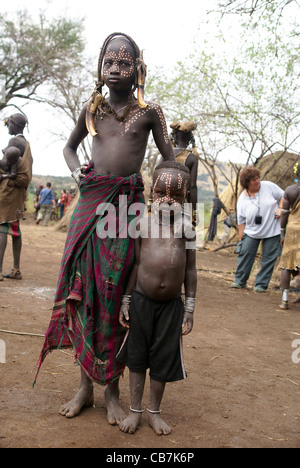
(242, 390)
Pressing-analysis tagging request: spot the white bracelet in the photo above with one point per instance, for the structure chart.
(76, 175)
(189, 306)
(153, 412)
(126, 299)
(136, 410)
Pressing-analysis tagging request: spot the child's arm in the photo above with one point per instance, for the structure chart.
(190, 286)
(3, 167)
(193, 189)
(13, 171)
(160, 133)
(70, 151)
(11, 175)
(285, 216)
(124, 311)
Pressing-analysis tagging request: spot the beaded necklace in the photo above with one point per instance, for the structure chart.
(106, 109)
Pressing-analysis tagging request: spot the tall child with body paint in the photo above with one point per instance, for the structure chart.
(94, 271)
(152, 307)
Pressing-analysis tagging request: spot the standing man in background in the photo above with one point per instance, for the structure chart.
(47, 203)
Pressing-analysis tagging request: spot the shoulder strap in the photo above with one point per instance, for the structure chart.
(45, 196)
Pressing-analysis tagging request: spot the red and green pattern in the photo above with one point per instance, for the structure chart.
(13, 229)
(92, 280)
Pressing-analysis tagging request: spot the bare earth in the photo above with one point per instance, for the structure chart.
(243, 389)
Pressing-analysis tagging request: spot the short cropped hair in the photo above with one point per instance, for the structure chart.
(248, 173)
(173, 165)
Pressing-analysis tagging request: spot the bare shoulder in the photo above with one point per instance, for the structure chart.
(192, 160)
(153, 106)
(292, 192)
(19, 142)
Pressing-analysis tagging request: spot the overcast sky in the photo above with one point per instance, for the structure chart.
(165, 29)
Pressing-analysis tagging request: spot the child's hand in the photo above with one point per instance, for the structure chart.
(188, 322)
(124, 316)
(78, 174)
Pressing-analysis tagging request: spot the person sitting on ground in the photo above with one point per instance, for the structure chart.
(228, 223)
(152, 307)
(9, 162)
(290, 235)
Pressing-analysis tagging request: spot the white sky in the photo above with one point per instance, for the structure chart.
(165, 29)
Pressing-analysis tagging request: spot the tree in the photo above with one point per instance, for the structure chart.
(66, 96)
(252, 7)
(33, 54)
(263, 11)
(247, 104)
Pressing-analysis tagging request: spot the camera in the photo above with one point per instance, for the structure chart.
(258, 219)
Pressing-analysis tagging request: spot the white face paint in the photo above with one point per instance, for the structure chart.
(170, 189)
(118, 62)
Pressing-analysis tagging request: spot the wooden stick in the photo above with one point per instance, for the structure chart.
(224, 246)
(21, 333)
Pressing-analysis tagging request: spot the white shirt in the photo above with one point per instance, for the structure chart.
(264, 203)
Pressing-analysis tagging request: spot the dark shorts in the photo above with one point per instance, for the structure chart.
(154, 340)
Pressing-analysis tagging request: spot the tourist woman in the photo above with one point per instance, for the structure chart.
(258, 212)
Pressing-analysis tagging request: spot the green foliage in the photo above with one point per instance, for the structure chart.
(244, 97)
(32, 54)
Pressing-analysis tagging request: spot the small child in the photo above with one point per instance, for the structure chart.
(152, 308)
(9, 162)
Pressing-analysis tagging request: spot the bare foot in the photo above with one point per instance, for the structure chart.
(158, 424)
(115, 414)
(84, 397)
(131, 423)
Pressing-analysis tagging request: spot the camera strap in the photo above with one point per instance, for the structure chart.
(253, 203)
